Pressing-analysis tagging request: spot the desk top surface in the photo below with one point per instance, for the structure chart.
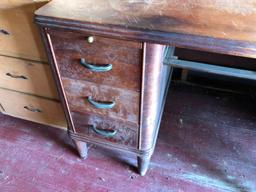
(233, 20)
(227, 19)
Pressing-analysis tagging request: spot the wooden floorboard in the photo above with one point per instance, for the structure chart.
(206, 143)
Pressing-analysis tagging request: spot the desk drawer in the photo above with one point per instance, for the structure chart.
(19, 36)
(126, 105)
(32, 108)
(106, 129)
(124, 56)
(27, 76)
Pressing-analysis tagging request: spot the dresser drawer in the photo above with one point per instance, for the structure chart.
(32, 108)
(27, 76)
(124, 56)
(19, 36)
(103, 129)
(126, 103)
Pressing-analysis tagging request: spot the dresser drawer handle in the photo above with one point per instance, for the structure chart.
(16, 76)
(101, 105)
(96, 68)
(104, 132)
(4, 32)
(32, 109)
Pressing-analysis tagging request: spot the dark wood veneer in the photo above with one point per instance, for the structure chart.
(127, 102)
(231, 20)
(132, 36)
(134, 119)
(196, 42)
(125, 56)
(127, 133)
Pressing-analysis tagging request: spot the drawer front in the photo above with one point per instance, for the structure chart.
(126, 103)
(106, 129)
(27, 76)
(32, 108)
(125, 58)
(19, 36)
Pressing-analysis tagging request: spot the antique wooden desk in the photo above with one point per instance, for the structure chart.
(112, 61)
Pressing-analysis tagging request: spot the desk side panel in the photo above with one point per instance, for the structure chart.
(152, 97)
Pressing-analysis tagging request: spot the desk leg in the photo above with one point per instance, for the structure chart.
(143, 164)
(82, 148)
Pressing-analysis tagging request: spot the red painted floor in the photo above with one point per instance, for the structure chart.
(207, 143)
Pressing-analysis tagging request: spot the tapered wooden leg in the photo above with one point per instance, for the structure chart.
(81, 148)
(143, 164)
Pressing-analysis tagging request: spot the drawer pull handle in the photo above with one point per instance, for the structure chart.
(96, 68)
(101, 105)
(16, 76)
(4, 32)
(29, 108)
(104, 132)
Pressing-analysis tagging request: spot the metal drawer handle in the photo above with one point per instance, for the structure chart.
(4, 32)
(29, 108)
(101, 105)
(104, 132)
(96, 68)
(16, 76)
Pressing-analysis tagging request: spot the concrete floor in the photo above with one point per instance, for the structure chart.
(207, 143)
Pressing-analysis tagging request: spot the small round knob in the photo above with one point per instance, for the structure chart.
(90, 39)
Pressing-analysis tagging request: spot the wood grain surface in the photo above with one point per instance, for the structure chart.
(127, 102)
(19, 36)
(125, 57)
(32, 108)
(152, 97)
(127, 133)
(225, 19)
(27, 76)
